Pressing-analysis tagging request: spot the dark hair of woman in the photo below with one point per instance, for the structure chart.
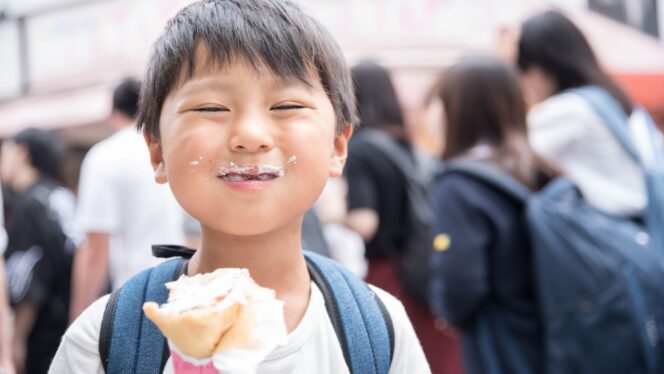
(377, 103)
(553, 43)
(484, 105)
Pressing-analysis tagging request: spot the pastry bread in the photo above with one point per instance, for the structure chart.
(209, 313)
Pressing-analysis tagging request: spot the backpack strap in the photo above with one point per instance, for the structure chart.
(398, 156)
(491, 174)
(610, 111)
(128, 341)
(612, 115)
(361, 321)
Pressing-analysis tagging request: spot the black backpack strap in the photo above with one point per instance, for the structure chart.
(106, 327)
(127, 338)
(360, 319)
(168, 251)
(397, 155)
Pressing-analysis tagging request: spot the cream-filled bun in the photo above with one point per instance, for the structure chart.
(209, 313)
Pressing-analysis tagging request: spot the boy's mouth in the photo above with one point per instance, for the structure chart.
(236, 173)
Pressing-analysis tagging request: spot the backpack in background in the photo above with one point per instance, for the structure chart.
(599, 276)
(598, 283)
(649, 155)
(414, 259)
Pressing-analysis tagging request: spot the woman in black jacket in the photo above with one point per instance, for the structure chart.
(482, 256)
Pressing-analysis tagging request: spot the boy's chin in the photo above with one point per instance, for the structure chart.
(248, 228)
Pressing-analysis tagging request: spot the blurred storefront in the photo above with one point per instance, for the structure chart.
(61, 59)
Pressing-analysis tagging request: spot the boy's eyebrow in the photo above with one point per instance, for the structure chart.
(287, 82)
(279, 83)
(196, 85)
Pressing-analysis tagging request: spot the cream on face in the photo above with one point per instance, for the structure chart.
(240, 173)
(196, 162)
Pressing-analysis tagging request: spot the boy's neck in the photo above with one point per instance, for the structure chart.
(274, 260)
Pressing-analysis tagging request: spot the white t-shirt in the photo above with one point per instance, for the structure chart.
(312, 347)
(118, 196)
(566, 129)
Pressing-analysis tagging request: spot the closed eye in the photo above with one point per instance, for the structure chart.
(288, 107)
(210, 110)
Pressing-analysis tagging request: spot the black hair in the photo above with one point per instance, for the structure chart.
(551, 41)
(125, 97)
(377, 103)
(45, 150)
(270, 34)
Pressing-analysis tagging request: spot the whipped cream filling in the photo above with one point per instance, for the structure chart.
(219, 289)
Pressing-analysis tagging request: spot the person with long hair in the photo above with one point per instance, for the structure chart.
(482, 252)
(377, 199)
(554, 59)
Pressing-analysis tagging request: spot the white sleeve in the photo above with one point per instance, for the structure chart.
(558, 126)
(99, 203)
(79, 349)
(408, 354)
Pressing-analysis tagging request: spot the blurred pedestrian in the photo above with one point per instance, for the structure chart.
(554, 57)
(6, 362)
(121, 208)
(482, 250)
(346, 246)
(378, 200)
(42, 238)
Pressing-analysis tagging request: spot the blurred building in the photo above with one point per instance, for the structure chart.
(60, 59)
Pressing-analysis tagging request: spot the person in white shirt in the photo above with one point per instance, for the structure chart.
(553, 57)
(120, 207)
(247, 122)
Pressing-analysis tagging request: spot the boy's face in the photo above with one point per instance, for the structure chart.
(244, 152)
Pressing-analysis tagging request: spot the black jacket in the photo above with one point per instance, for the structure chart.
(483, 261)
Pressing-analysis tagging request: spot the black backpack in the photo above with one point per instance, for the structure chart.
(413, 260)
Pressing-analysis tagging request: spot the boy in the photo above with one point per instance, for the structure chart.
(247, 108)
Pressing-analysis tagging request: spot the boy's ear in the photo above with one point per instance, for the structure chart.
(340, 151)
(156, 158)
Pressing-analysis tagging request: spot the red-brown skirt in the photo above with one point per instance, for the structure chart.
(439, 341)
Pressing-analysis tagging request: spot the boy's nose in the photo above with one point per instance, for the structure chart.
(251, 135)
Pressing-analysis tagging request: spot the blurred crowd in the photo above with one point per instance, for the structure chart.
(436, 228)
